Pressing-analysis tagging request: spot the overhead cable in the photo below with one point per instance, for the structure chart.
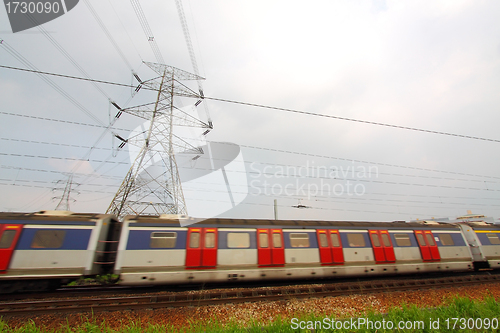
(5, 46)
(63, 51)
(147, 30)
(107, 33)
(189, 43)
(351, 119)
(288, 110)
(57, 120)
(250, 162)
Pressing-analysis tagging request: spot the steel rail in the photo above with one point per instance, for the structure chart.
(203, 298)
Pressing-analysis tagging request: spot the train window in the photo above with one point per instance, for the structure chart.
(356, 240)
(386, 240)
(430, 240)
(335, 239)
(323, 240)
(209, 240)
(165, 240)
(263, 241)
(238, 240)
(7, 238)
(493, 238)
(375, 240)
(276, 240)
(194, 240)
(51, 239)
(402, 239)
(299, 240)
(446, 239)
(421, 240)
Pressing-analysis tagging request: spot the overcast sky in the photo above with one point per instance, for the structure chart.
(431, 65)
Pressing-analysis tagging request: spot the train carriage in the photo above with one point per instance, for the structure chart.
(42, 250)
(484, 241)
(166, 249)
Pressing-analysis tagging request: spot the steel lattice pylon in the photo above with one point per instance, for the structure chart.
(152, 185)
(66, 196)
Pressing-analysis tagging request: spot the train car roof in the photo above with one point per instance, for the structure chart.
(53, 216)
(227, 222)
(481, 225)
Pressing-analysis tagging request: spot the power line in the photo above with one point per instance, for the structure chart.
(346, 200)
(292, 189)
(57, 120)
(82, 71)
(365, 181)
(50, 187)
(189, 43)
(358, 180)
(362, 161)
(57, 172)
(125, 29)
(52, 143)
(147, 30)
(287, 197)
(71, 77)
(63, 51)
(284, 109)
(300, 193)
(50, 182)
(273, 150)
(60, 158)
(288, 166)
(351, 119)
(107, 33)
(313, 198)
(365, 161)
(61, 91)
(246, 186)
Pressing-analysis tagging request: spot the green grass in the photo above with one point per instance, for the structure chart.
(97, 280)
(458, 308)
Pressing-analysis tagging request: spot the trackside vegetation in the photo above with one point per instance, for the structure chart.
(461, 315)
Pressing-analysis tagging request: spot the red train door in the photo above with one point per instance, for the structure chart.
(387, 244)
(330, 247)
(383, 250)
(427, 244)
(270, 247)
(263, 247)
(432, 245)
(201, 248)
(9, 234)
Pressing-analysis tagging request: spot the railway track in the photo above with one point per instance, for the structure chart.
(202, 298)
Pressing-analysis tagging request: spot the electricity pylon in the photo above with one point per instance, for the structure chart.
(66, 196)
(152, 185)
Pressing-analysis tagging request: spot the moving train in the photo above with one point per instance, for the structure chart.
(46, 249)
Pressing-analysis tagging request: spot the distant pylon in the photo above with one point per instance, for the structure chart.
(152, 185)
(65, 198)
